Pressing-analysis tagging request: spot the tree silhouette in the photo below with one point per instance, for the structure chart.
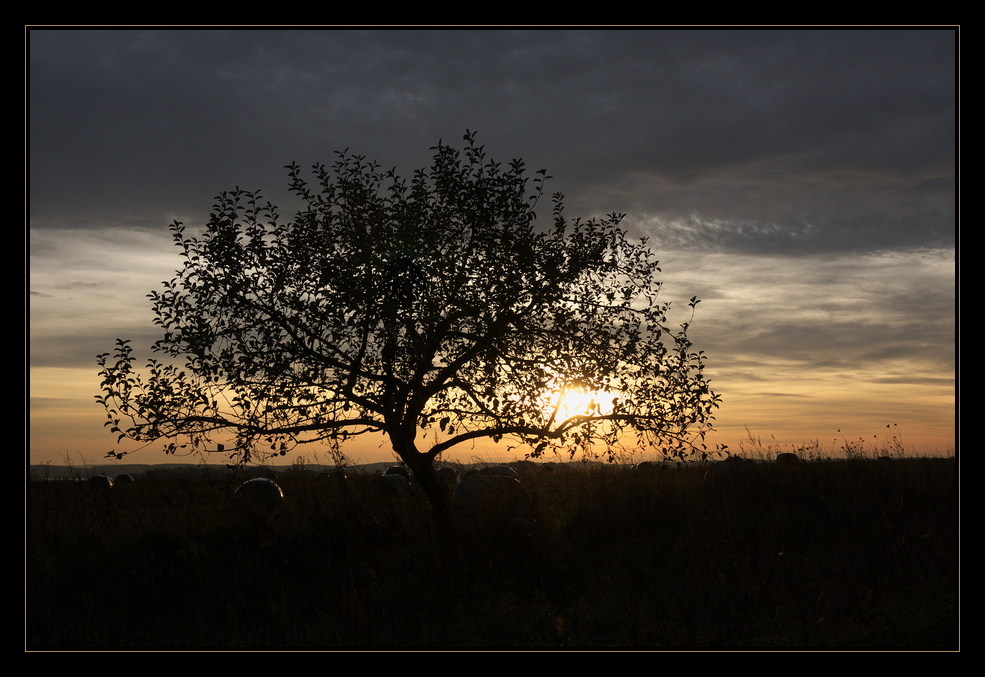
(435, 311)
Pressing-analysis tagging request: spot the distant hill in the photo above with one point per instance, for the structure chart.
(64, 472)
(61, 472)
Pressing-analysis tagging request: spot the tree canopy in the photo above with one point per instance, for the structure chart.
(436, 310)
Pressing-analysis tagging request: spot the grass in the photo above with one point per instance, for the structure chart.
(854, 553)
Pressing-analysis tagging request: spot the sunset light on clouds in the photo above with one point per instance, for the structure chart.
(801, 184)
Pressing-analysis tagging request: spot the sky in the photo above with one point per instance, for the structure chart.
(801, 183)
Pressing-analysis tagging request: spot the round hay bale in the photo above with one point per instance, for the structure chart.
(261, 492)
(524, 466)
(491, 497)
(499, 470)
(124, 479)
(447, 474)
(394, 484)
(397, 470)
(787, 457)
(100, 482)
(723, 472)
(465, 474)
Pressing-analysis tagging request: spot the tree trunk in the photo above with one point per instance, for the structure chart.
(440, 498)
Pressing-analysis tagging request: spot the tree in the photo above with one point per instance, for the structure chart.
(434, 311)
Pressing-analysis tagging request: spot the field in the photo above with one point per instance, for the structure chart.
(857, 553)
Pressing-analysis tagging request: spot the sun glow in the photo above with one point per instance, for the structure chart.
(577, 401)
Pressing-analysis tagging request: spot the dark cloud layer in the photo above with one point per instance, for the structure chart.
(787, 140)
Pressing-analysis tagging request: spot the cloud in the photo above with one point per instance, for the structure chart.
(89, 288)
(857, 314)
(794, 139)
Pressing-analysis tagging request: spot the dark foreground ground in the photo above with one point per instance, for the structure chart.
(825, 554)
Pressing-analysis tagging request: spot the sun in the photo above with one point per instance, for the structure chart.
(578, 401)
